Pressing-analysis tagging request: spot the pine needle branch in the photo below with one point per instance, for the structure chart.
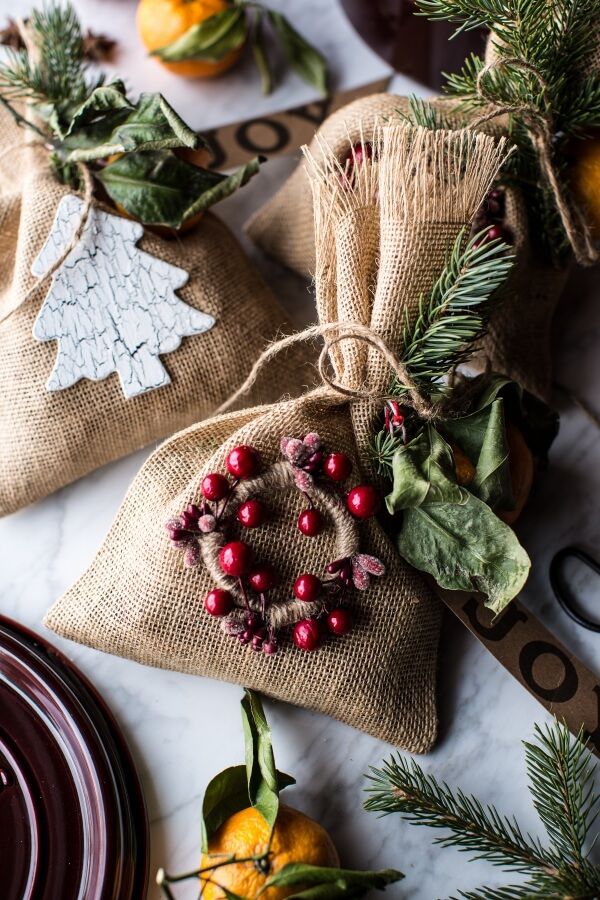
(561, 773)
(56, 79)
(456, 312)
(561, 776)
(402, 786)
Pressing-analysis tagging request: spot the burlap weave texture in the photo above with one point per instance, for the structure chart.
(48, 439)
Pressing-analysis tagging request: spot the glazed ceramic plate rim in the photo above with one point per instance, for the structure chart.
(113, 822)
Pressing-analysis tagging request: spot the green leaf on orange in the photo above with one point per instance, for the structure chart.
(325, 883)
(210, 40)
(158, 188)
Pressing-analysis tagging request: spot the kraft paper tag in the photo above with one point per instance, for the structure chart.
(532, 655)
(281, 132)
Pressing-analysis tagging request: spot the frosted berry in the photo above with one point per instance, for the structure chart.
(270, 646)
(263, 578)
(214, 486)
(307, 634)
(218, 602)
(190, 516)
(338, 466)
(243, 461)
(177, 534)
(363, 501)
(235, 558)
(251, 513)
(307, 587)
(310, 522)
(252, 621)
(339, 621)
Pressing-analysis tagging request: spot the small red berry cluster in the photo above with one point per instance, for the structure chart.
(490, 217)
(250, 623)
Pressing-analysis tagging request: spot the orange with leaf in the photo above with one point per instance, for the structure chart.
(205, 38)
(255, 847)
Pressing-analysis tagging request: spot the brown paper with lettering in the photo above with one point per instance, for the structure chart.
(533, 655)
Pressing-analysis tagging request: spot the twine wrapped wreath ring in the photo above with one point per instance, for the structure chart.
(280, 477)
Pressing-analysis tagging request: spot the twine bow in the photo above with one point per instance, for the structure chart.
(540, 127)
(335, 332)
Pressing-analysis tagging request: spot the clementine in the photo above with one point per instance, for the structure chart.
(296, 839)
(520, 461)
(160, 22)
(585, 179)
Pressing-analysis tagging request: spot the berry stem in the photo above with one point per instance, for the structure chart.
(244, 594)
(220, 513)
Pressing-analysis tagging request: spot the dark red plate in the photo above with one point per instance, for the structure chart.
(73, 822)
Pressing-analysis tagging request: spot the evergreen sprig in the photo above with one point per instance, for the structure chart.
(561, 775)
(58, 76)
(557, 39)
(456, 311)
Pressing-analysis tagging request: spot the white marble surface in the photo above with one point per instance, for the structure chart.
(182, 729)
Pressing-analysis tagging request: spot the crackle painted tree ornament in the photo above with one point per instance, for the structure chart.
(111, 306)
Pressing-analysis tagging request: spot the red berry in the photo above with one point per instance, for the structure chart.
(307, 587)
(235, 558)
(310, 522)
(363, 501)
(243, 461)
(218, 602)
(307, 634)
(215, 486)
(251, 514)
(361, 151)
(263, 578)
(338, 466)
(498, 232)
(339, 621)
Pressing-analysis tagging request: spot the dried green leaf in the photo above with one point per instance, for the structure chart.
(107, 124)
(325, 883)
(465, 547)
(158, 188)
(423, 472)
(260, 52)
(209, 40)
(302, 57)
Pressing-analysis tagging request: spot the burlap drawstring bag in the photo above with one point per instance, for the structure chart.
(381, 244)
(50, 438)
(518, 340)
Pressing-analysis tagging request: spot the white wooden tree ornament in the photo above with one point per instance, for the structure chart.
(111, 306)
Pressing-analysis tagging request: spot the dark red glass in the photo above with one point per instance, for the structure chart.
(72, 817)
(410, 43)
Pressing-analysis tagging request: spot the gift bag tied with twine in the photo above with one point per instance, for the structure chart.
(518, 338)
(381, 242)
(50, 438)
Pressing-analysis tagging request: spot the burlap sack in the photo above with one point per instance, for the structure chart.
(518, 342)
(385, 239)
(48, 439)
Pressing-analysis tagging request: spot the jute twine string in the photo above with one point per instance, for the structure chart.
(335, 332)
(540, 127)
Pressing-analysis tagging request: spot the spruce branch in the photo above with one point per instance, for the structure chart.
(402, 786)
(456, 311)
(554, 40)
(561, 776)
